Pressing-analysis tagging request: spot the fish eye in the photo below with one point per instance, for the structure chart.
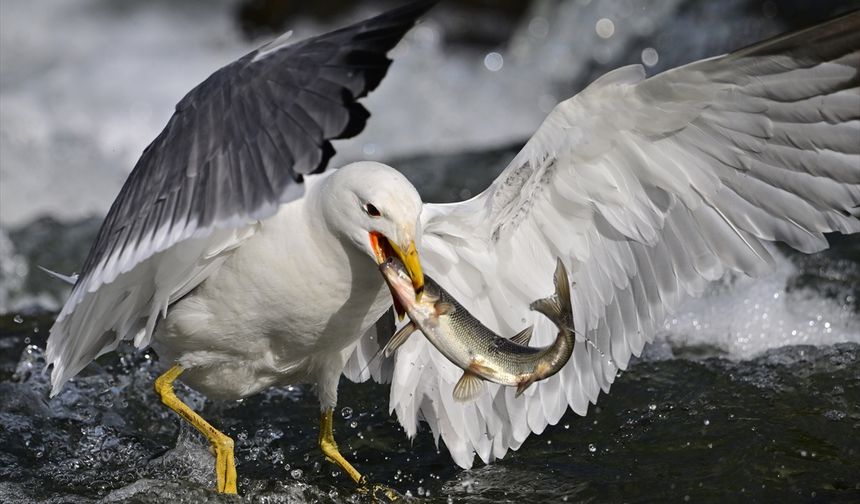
(371, 210)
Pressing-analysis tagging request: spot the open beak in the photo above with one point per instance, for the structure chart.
(384, 248)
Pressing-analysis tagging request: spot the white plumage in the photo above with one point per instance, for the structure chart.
(273, 302)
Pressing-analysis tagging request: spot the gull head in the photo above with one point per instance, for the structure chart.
(378, 211)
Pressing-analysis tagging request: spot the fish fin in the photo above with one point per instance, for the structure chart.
(468, 388)
(443, 308)
(393, 343)
(562, 290)
(476, 366)
(69, 279)
(557, 307)
(399, 338)
(522, 386)
(523, 337)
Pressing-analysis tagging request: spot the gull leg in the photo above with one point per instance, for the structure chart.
(329, 449)
(225, 467)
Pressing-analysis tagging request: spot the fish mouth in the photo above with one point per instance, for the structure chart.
(385, 249)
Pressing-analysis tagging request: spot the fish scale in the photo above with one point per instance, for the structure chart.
(472, 346)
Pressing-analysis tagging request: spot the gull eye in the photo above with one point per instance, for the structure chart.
(371, 210)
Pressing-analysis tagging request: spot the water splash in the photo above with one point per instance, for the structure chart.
(741, 317)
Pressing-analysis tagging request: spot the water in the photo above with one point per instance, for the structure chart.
(782, 426)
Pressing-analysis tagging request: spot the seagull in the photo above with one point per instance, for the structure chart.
(246, 264)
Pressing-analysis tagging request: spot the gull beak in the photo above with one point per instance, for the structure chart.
(384, 248)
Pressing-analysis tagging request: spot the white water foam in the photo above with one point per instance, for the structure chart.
(741, 317)
(85, 86)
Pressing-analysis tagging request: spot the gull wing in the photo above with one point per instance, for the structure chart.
(235, 149)
(647, 188)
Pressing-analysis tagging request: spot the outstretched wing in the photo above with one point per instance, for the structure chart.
(647, 189)
(236, 147)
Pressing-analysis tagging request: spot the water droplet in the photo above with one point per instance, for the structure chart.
(650, 56)
(605, 28)
(652, 407)
(707, 422)
(494, 61)
(834, 415)
(353, 424)
(346, 412)
(592, 448)
(18, 319)
(296, 473)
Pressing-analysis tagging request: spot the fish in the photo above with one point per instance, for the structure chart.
(482, 354)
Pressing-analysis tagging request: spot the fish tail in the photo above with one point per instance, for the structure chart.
(557, 307)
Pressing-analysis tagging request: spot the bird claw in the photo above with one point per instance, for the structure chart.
(379, 493)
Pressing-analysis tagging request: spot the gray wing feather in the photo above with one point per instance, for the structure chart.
(240, 141)
(236, 147)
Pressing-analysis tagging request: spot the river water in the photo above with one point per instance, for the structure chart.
(780, 427)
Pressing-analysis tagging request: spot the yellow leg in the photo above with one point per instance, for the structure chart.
(329, 449)
(225, 467)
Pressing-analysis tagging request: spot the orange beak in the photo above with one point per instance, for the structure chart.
(384, 248)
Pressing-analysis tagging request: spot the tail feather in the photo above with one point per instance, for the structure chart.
(557, 307)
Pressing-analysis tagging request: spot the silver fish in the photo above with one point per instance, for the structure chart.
(465, 341)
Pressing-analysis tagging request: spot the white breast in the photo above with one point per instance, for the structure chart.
(280, 310)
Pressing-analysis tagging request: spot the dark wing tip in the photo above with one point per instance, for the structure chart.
(358, 116)
(362, 58)
(366, 42)
(394, 23)
(838, 35)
